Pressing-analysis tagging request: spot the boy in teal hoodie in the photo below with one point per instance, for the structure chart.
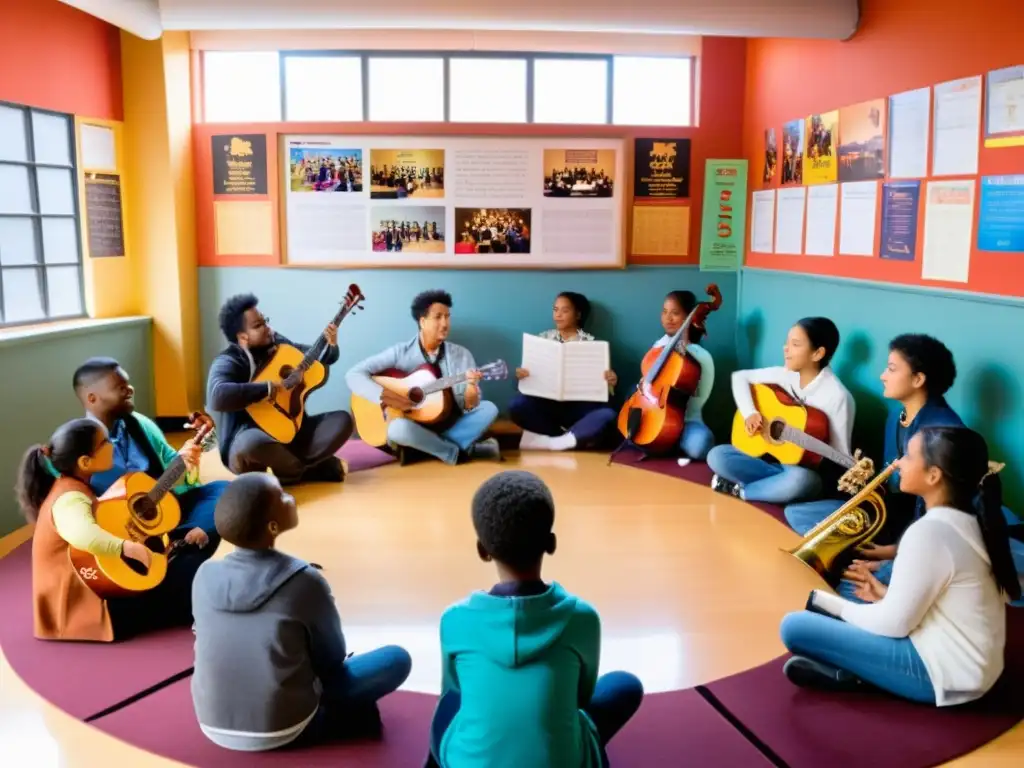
(520, 685)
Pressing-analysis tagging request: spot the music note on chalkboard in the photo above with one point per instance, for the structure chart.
(104, 222)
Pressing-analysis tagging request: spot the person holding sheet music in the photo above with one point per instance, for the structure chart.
(550, 425)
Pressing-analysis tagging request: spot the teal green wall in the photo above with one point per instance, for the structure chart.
(36, 387)
(983, 333)
(491, 311)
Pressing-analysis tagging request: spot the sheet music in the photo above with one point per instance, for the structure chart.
(562, 372)
(543, 359)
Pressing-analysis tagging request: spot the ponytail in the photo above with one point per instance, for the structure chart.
(43, 464)
(35, 481)
(988, 508)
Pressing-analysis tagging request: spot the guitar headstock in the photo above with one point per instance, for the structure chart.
(205, 432)
(353, 301)
(494, 371)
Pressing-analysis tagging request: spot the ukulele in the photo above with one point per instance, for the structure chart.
(138, 508)
(281, 417)
(433, 401)
(653, 416)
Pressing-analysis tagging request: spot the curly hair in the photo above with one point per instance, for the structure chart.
(513, 514)
(929, 356)
(422, 303)
(232, 315)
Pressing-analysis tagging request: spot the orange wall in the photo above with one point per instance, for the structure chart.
(902, 45)
(56, 57)
(720, 72)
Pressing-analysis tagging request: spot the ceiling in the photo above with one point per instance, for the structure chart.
(822, 19)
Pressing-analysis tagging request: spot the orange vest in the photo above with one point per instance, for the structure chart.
(64, 607)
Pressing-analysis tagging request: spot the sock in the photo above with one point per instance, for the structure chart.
(683, 462)
(564, 442)
(531, 441)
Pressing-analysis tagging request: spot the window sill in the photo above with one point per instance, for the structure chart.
(13, 336)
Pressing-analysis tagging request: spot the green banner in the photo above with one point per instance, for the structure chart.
(724, 224)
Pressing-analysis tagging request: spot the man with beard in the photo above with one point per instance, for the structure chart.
(230, 389)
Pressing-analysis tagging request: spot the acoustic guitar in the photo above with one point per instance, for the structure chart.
(301, 374)
(138, 508)
(433, 401)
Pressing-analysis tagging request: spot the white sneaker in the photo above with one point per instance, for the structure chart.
(531, 441)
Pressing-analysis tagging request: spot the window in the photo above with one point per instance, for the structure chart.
(328, 88)
(40, 254)
(487, 90)
(640, 85)
(241, 86)
(406, 89)
(573, 91)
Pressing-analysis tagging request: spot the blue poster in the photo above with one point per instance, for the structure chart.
(900, 205)
(1001, 222)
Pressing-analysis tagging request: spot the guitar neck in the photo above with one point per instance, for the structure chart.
(445, 383)
(314, 352)
(168, 479)
(814, 445)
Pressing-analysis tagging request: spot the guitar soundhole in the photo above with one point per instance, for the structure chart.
(144, 508)
(416, 395)
(286, 371)
(775, 430)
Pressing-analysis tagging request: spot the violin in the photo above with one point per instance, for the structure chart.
(653, 416)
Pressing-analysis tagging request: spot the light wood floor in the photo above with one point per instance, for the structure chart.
(690, 585)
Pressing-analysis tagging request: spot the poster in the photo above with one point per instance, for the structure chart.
(103, 219)
(948, 221)
(762, 221)
(820, 166)
(956, 127)
(793, 152)
(909, 128)
(661, 168)
(862, 141)
(724, 223)
(1004, 108)
(771, 155)
(239, 164)
(1001, 221)
(900, 208)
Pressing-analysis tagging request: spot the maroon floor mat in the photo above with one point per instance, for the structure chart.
(83, 679)
(807, 729)
(670, 729)
(360, 456)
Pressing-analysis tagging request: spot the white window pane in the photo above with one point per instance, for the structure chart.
(14, 189)
(17, 241)
(487, 90)
(323, 88)
(56, 192)
(13, 142)
(406, 90)
(23, 295)
(60, 241)
(52, 139)
(570, 91)
(63, 291)
(241, 86)
(639, 87)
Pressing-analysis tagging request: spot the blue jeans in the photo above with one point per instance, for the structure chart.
(891, 664)
(447, 445)
(761, 480)
(588, 422)
(617, 697)
(197, 508)
(805, 515)
(697, 440)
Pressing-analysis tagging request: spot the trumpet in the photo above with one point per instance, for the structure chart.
(855, 523)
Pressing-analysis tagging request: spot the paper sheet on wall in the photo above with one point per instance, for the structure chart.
(1004, 108)
(957, 127)
(99, 151)
(762, 221)
(909, 122)
(857, 218)
(789, 220)
(565, 372)
(822, 204)
(948, 225)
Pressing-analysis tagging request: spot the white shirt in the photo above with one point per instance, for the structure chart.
(944, 597)
(695, 405)
(826, 393)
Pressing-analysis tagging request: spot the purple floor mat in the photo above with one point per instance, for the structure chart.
(83, 679)
(361, 456)
(807, 729)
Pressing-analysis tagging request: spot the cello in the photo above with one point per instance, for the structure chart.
(653, 416)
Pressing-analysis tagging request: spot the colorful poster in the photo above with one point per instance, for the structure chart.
(771, 155)
(239, 164)
(793, 152)
(862, 141)
(820, 153)
(900, 208)
(724, 223)
(1004, 108)
(1001, 221)
(661, 168)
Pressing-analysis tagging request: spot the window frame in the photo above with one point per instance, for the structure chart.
(692, 68)
(37, 217)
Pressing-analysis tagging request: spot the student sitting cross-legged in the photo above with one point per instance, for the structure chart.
(519, 663)
(271, 663)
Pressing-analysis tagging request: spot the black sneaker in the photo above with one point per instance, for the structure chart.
(808, 673)
(721, 485)
(330, 470)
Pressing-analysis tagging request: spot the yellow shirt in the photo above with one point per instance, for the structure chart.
(74, 521)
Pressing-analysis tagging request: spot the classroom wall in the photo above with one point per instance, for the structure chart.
(900, 46)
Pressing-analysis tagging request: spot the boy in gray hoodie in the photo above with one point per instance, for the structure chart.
(271, 661)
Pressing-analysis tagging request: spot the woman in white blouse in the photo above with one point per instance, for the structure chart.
(937, 632)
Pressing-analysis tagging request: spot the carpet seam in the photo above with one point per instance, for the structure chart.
(179, 676)
(767, 752)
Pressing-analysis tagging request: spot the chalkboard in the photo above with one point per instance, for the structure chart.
(103, 215)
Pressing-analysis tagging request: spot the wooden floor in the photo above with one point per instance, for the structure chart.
(690, 585)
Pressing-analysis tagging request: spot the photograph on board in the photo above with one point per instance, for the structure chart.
(396, 174)
(862, 141)
(408, 229)
(793, 152)
(820, 155)
(325, 169)
(771, 155)
(579, 172)
(492, 230)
